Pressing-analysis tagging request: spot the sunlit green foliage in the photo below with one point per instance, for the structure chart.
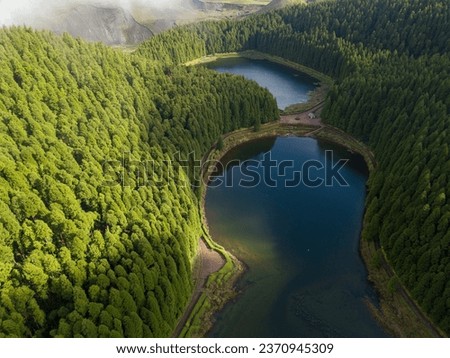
(97, 229)
(390, 59)
(96, 241)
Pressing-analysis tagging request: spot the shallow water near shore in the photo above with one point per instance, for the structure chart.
(286, 85)
(305, 276)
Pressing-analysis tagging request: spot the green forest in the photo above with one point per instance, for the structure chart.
(97, 232)
(100, 221)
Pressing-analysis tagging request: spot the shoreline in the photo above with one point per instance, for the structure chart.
(208, 261)
(316, 96)
(398, 313)
(217, 293)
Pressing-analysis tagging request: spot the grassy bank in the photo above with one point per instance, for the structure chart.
(220, 286)
(338, 136)
(212, 58)
(218, 290)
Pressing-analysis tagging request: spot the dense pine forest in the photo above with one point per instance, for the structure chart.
(93, 243)
(97, 229)
(391, 60)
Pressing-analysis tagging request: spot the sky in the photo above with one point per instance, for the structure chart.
(20, 12)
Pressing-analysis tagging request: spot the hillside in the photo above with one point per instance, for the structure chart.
(96, 238)
(390, 61)
(279, 4)
(112, 26)
(99, 219)
(116, 22)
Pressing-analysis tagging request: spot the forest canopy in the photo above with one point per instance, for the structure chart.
(79, 258)
(91, 243)
(391, 61)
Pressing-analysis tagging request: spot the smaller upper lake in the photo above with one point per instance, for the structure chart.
(286, 85)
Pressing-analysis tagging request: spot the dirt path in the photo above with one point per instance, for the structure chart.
(209, 261)
(304, 118)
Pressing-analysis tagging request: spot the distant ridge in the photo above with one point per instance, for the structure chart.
(278, 4)
(112, 26)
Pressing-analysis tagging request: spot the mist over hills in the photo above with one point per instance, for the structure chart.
(81, 256)
(112, 26)
(109, 21)
(116, 22)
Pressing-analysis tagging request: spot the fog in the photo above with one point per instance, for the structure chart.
(28, 12)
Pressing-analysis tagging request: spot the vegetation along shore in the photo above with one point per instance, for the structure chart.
(93, 245)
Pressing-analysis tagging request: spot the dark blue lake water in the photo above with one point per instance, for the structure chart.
(287, 86)
(305, 276)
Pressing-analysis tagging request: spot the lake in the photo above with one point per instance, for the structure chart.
(305, 276)
(298, 239)
(286, 85)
